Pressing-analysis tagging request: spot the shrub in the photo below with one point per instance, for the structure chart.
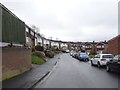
(33, 49)
(91, 56)
(49, 54)
(56, 52)
(40, 54)
(39, 48)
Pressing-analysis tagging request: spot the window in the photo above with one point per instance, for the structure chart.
(32, 33)
(102, 46)
(27, 29)
(119, 59)
(107, 56)
(98, 46)
(90, 47)
(97, 56)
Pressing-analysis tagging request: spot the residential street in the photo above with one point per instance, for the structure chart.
(60, 44)
(71, 73)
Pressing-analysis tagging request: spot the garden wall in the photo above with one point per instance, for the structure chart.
(15, 60)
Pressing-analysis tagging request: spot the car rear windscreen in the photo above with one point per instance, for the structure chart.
(107, 56)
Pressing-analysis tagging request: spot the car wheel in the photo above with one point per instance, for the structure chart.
(108, 69)
(99, 66)
(80, 59)
(92, 63)
(86, 60)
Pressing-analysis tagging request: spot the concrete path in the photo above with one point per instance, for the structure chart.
(29, 78)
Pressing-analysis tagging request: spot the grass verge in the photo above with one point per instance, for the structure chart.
(37, 60)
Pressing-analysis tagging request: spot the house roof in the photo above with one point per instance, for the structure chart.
(118, 36)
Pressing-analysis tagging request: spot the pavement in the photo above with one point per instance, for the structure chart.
(72, 73)
(32, 77)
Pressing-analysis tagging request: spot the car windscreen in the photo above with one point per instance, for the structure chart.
(107, 56)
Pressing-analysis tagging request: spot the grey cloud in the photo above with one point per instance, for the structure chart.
(70, 20)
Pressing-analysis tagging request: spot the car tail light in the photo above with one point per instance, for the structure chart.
(103, 59)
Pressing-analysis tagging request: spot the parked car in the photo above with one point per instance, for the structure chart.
(101, 59)
(67, 51)
(71, 52)
(113, 64)
(83, 57)
(74, 54)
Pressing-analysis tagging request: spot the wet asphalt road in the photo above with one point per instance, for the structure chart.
(71, 73)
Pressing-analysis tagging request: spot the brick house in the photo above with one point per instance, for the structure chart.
(100, 47)
(88, 47)
(114, 45)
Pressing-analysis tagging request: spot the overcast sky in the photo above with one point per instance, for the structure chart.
(69, 20)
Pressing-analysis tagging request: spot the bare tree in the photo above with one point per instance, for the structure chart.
(35, 28)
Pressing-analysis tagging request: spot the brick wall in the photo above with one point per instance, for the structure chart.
(114, 45)
(15, 61)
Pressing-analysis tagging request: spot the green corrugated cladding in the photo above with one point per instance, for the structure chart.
(13, 29)
(0, 24)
